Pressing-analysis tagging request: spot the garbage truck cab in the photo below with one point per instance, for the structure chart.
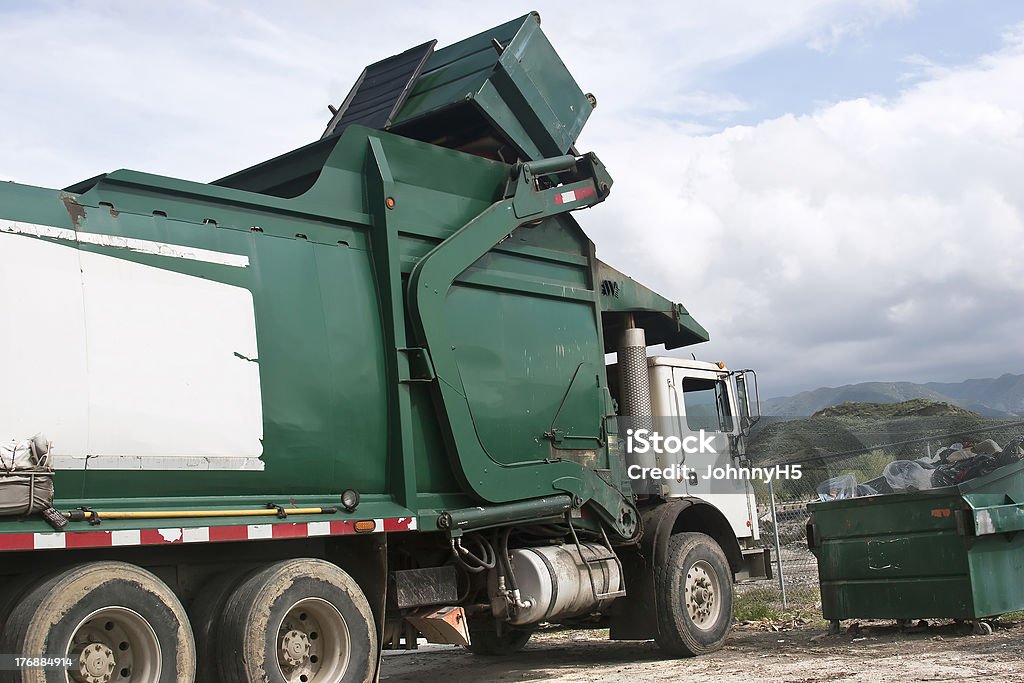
(689, 441)
(700, 395)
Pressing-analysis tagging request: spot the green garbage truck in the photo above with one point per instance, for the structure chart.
(355, 396)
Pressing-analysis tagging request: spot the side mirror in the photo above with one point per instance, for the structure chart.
(748, 398)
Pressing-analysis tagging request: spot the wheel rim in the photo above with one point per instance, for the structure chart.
(702, 594)
(114, 645)
(313, 643)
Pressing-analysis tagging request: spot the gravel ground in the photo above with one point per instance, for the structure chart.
(881, 652)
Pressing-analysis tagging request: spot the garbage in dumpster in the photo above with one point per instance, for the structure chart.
(837, 488)
(843, 486)
(970, 462)
(951, 465)
(907, 475)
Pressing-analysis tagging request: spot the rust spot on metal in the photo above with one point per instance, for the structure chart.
(75, 210)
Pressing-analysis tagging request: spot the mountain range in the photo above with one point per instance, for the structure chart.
(993, 397)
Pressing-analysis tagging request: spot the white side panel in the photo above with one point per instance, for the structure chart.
(130, 366)
(43, 377)
(663, 403)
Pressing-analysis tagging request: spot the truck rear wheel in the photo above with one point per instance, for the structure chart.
(116, 621)
(205, 612)
(298, 621)
(694, 595)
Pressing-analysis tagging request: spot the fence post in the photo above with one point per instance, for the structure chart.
(778, 546)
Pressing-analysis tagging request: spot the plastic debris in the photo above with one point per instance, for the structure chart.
(907, 475)
(838, 488)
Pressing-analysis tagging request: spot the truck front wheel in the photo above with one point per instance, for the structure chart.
(115, 621)
(298, 621)
(694, 595)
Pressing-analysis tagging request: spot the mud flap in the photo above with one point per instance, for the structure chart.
(366, 560)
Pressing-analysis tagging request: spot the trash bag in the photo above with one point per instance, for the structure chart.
(837, 488)
(986, 447)
(907, 475)
(25, 454)
(960, 455)
(866, 490)
(26, 491)
(26, 478)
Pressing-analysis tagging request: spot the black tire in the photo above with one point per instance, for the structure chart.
(272, 608)
(485, 640)
(205, 612)
(12, 590)
(141, 617)
(697, 556)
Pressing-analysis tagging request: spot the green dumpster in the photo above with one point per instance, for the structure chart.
(955, 552)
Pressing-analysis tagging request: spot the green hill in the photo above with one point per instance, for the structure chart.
(993, 397)
(917, 407)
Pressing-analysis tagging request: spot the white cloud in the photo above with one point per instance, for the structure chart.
(872, 239)
(199, 89)
(872, 13)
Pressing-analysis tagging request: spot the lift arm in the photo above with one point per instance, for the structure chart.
(585, 183)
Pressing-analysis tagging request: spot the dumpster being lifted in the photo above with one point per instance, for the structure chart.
(955, 552)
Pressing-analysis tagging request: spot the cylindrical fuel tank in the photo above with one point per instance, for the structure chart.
(556, 581)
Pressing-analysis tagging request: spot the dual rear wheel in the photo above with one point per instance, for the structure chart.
(116, 622)
(296, 621)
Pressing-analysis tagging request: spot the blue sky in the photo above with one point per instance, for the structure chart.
(830, 186)
(879, 60)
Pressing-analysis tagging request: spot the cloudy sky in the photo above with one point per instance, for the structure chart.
(834, 188)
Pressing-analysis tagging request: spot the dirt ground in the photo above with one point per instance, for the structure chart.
(880, 652)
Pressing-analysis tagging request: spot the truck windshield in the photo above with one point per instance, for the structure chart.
(707, 405)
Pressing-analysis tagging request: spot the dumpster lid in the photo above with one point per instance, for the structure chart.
(380, 91)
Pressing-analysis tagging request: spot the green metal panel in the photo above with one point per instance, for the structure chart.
(316, 294)
(473, 273)
(518, 360)
(524, 91)
(953, 552)
(665, 322)
(457, 70)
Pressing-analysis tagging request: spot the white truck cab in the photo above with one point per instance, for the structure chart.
(691, 396)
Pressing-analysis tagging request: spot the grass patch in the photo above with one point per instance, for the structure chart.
(765, 606)
(754, 607)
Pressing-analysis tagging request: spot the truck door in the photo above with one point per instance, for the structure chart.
(707, 402)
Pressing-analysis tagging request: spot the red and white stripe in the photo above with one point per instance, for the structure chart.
(574, 195)
(201, 534)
